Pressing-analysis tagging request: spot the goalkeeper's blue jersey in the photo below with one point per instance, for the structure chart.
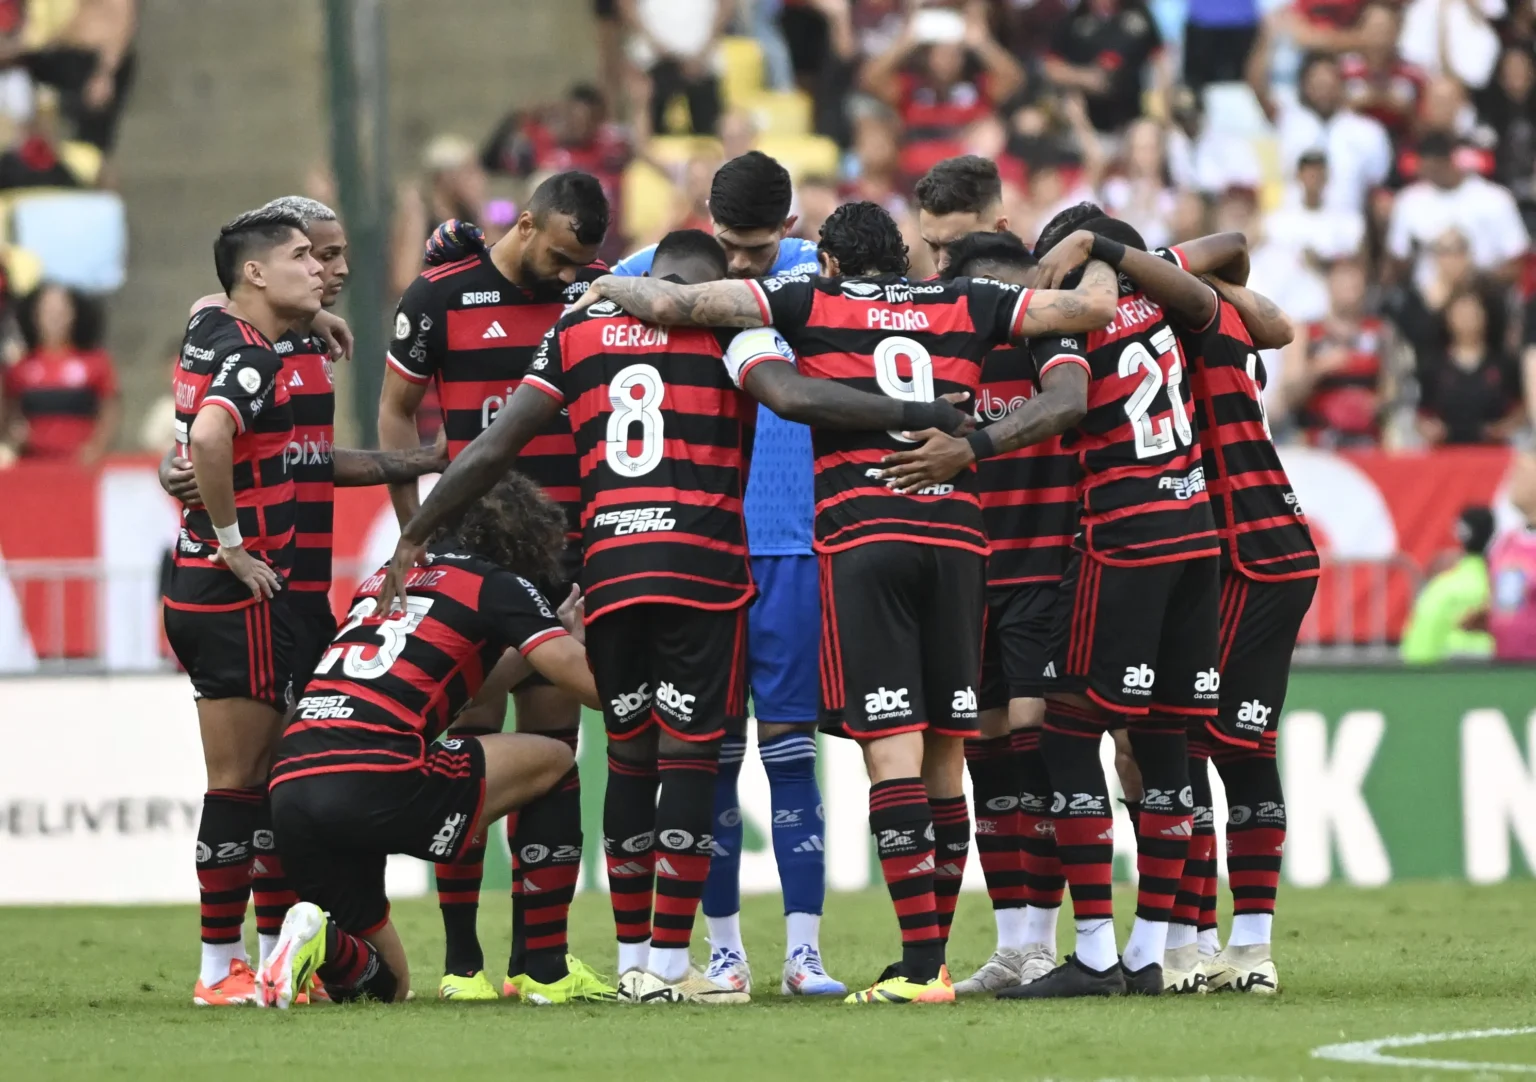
(781, 502)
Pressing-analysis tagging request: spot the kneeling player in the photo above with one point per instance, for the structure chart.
(357, 774)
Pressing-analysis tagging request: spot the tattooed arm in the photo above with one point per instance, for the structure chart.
(1065, 311)
(1060, 405)
(1184, 296)
(1268, 326)
(712, 304)
(358, 469)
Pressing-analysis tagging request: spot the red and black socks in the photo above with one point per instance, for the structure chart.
(269, 883)
(1044, 882)
(684, 817)
(224, 856)
(458, 898)
(1255, 838)
(1084, 826)
(548, 868)
(1190, 907)
(629, 850)
(951, 847)
(994, 771)
(1163, 831)
(546, 839)
(902, 823)
(353, 969)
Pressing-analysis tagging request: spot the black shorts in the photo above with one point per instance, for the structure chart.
(674, 666)
(1016, 650)
(314, 626)
(244, 653)
(901, 639)
(1142, 638)
(1259, 625)
(337, 830)
(556, 590)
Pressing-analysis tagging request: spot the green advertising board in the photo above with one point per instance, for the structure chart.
(1390, 773)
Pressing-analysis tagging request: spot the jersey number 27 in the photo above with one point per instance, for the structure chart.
(1154, 440)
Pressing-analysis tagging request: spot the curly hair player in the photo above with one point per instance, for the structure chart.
(359, 773)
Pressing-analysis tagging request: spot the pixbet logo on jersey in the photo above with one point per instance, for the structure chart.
(492, 406)
(634, 520)
(883, 703)
(993, 407)
(308, 452)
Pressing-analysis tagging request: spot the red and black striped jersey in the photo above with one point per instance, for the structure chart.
(307, 370)
(1028, 496)
(474, 332)
(389, 685)
(663, 434)
(225, 362)
(1263, 530)
(909, 340)
(1143, 487)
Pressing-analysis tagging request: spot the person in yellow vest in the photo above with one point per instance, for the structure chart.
(1449, 616)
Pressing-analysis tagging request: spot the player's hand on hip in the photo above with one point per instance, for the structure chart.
(938, 459)
(1063, 259)
(452, 241)
(260, 579)
(181, 482)
(573, 614)
(392, 590)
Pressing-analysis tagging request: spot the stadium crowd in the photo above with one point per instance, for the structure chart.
(1378, 156)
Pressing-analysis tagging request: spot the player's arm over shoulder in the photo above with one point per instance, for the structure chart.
(1088, 307)
(527, 621)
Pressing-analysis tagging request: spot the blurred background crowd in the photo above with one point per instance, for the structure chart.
(1379, 155)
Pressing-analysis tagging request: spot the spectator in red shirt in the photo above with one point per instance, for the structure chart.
(60, 400)
(1338, 378)
(944, 72)
(1378, 82)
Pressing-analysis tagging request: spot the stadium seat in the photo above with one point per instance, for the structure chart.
(80, 237)
(676, 150)
(743, 75)
(781, 112)
(802, 155)
(1272, 188)
(648, 197)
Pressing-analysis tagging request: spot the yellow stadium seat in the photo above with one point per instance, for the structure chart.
(81, 159)
(648, 196)
(780, 112)
(1271, 182)
(743, 75)
(678, 149)
(802, 155)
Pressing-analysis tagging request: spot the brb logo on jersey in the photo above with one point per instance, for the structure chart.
(1138, 680)
(884, 703)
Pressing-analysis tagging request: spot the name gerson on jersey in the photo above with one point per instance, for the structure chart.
(227, 363)
(1263, 530)
(310, 457)
(911, 341)
(474, 332)
(664, 433)
(1029, 495)
(1143, 490)
(390, 685)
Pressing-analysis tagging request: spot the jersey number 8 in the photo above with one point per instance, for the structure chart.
(917, 389)
(392, 635)
(635, 394)
(1152, 442)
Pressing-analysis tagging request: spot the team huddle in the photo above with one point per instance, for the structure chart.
(1026, 503)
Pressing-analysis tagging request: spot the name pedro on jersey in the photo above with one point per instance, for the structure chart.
(634, 520)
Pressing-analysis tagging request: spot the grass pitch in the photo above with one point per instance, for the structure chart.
(106, 993)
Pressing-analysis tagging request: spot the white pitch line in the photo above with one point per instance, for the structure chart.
(1371, 1051)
